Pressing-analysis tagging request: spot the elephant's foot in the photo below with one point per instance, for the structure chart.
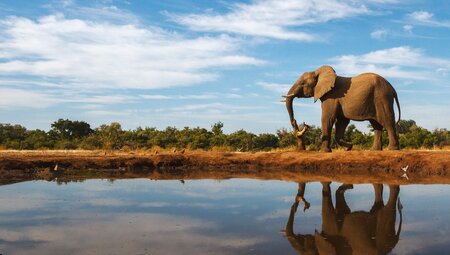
(394, 147)
(348, 146)
(345, 187)
(377, 147)
(306, 205)
(324, 183)
(325, 148)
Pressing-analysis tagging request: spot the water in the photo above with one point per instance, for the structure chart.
(237, 216)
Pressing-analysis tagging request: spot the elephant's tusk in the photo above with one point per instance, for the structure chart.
(290, 95)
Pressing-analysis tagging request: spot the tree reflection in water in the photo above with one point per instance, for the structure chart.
(347, 232)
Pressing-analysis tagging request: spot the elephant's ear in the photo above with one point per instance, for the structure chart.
(326, 76)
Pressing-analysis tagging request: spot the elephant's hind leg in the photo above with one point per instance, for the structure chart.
(388, 122)
(377, 138)
(341, 125)
(393, 138)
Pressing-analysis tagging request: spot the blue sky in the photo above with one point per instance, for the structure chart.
(194, 63)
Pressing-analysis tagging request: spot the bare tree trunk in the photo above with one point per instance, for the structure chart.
(300, 137)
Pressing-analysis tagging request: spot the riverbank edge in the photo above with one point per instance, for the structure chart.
(422, 167)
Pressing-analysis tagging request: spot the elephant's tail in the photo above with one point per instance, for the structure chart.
(398, 107)
(399, 112)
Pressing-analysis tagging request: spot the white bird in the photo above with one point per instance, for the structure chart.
(405, 168)
(56, 167)
(405, 175)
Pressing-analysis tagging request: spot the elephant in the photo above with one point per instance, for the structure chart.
(367, 96)
(346, 232)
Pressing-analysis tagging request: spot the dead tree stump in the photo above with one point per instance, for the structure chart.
(299, 134)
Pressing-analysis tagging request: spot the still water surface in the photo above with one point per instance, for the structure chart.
(237, 216)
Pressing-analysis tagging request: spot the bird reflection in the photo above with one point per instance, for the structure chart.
(347, 232)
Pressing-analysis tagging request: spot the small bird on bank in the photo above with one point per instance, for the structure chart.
(56, 167)
(405, 175)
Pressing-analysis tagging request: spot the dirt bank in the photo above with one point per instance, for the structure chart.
(352, 167)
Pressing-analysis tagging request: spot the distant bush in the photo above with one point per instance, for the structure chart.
(68, 134)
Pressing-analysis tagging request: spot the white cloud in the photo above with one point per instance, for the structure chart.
(427, 18)
(176, 97)
(272, 18)
(205, 96)
(25, 98)
(212, 107)
(105, 113)
(421, 16)
(408, 28)
(93, 54)
(379, 34)
(100, 99)
(281, 89)
(400, 62)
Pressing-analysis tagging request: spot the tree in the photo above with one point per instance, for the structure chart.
(357, 137)
(265, 142)
(166, 138)
(313, 138)
(69, 130)
(404, 126)
(218, 137)
(200, 138)
(111, 136)
(12, 136)
(36, 139)
(241, 140)
(286, 138)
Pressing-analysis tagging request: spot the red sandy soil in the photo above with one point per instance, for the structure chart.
(342, 166)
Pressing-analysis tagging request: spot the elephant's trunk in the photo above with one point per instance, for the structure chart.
(290, 109)
(289, 100)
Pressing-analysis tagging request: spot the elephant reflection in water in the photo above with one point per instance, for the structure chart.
(346, 232)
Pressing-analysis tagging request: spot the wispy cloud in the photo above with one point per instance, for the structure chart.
(206, 96)
(171, 97)
(379, 34)
(10, 97)
(272, 18)
(427, 18)
(400, 62)
(95, 54)
(275, 87)
(213, 107)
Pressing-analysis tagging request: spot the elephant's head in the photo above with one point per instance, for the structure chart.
(316, 83)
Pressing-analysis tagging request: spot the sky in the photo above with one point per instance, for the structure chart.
(153, 63)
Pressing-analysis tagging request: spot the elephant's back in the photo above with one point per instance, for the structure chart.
(372, 80)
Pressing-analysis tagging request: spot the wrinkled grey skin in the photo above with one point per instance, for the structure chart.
(347, 232)
(364, 97)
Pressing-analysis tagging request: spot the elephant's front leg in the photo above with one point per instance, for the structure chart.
(328, 118)
(341, 125)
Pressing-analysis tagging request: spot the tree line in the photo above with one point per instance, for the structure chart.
(68, 134)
